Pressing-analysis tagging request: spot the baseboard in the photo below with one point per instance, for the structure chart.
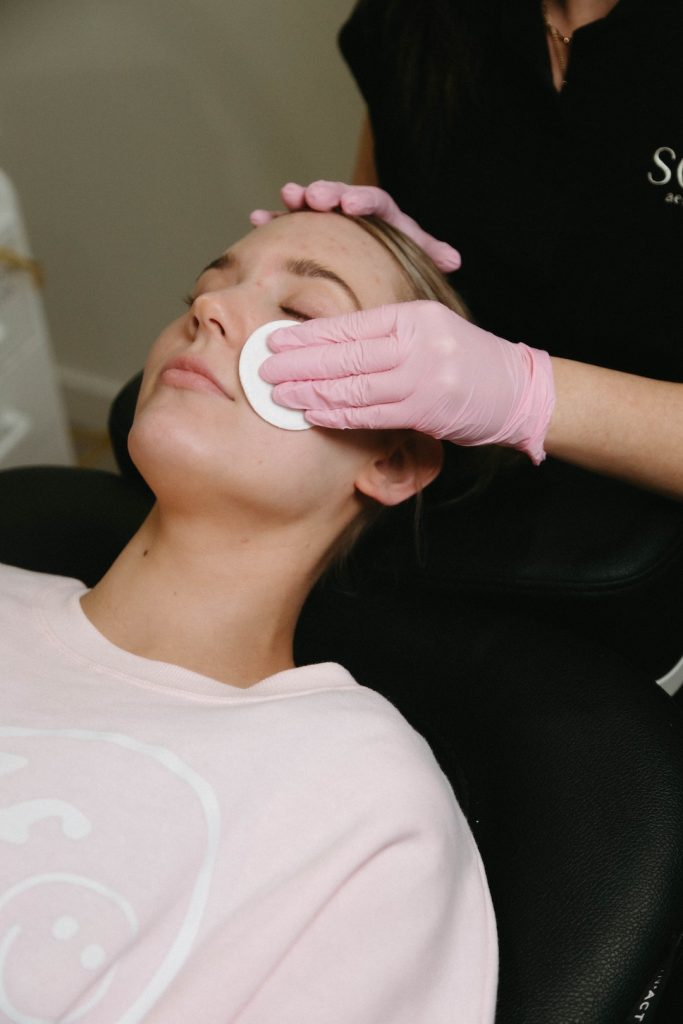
(87, 397)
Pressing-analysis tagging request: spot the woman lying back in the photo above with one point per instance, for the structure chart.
(193, 828)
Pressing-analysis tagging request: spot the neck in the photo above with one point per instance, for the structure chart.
(223, 603)
(569, 15)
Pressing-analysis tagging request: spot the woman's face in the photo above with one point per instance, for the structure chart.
(205, 444)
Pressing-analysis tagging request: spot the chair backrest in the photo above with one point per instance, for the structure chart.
(570, 767)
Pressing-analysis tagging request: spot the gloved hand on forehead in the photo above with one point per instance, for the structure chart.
(418, 366)
(359, 201)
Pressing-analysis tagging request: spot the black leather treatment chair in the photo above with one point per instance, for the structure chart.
(532, 679)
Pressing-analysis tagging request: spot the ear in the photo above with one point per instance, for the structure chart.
(405, 466)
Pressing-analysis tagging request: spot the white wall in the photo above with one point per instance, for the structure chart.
(139, 133)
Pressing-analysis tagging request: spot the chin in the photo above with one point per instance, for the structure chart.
(166, 454)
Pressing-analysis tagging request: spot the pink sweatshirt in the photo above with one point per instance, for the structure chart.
(177, 850)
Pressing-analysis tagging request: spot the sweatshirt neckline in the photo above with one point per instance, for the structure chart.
(62, 616)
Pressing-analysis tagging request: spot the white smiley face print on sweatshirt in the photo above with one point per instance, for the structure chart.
(97, 915)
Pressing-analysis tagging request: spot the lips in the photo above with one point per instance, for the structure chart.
(191, 373)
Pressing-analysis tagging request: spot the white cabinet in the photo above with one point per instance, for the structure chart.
(33, 427)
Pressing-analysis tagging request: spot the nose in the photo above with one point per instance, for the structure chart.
(228, 315)
(208, 315)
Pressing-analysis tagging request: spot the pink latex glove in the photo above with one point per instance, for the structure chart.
(359, 201)
(414, 365)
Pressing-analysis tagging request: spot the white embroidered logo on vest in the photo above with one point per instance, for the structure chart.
(668, 167)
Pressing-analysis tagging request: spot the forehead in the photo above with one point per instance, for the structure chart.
(330, 239)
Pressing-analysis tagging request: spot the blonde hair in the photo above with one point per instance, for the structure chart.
(422, 278)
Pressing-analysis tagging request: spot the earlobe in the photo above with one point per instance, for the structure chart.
(402, 471)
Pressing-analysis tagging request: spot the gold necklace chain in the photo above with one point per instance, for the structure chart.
(562, 41)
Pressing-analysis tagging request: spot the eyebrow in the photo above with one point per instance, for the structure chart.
(300, 268)
(220, 263)
(309, 268)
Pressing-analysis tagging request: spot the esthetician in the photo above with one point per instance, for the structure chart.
(544, 141)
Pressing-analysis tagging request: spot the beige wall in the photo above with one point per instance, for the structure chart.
(139, 133)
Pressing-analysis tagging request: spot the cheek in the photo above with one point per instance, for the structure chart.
(316, 470)
(289, 476)
(292, 472)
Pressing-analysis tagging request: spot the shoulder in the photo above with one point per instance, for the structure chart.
(16, 582)
(361, 37)
(371, 19)
(21, 589)
(368, 758)
(405, 766)
(375, 758)
(395, 48)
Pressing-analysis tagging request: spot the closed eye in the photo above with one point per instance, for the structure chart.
(295, 314)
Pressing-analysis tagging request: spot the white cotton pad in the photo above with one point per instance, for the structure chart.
(257, 390)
